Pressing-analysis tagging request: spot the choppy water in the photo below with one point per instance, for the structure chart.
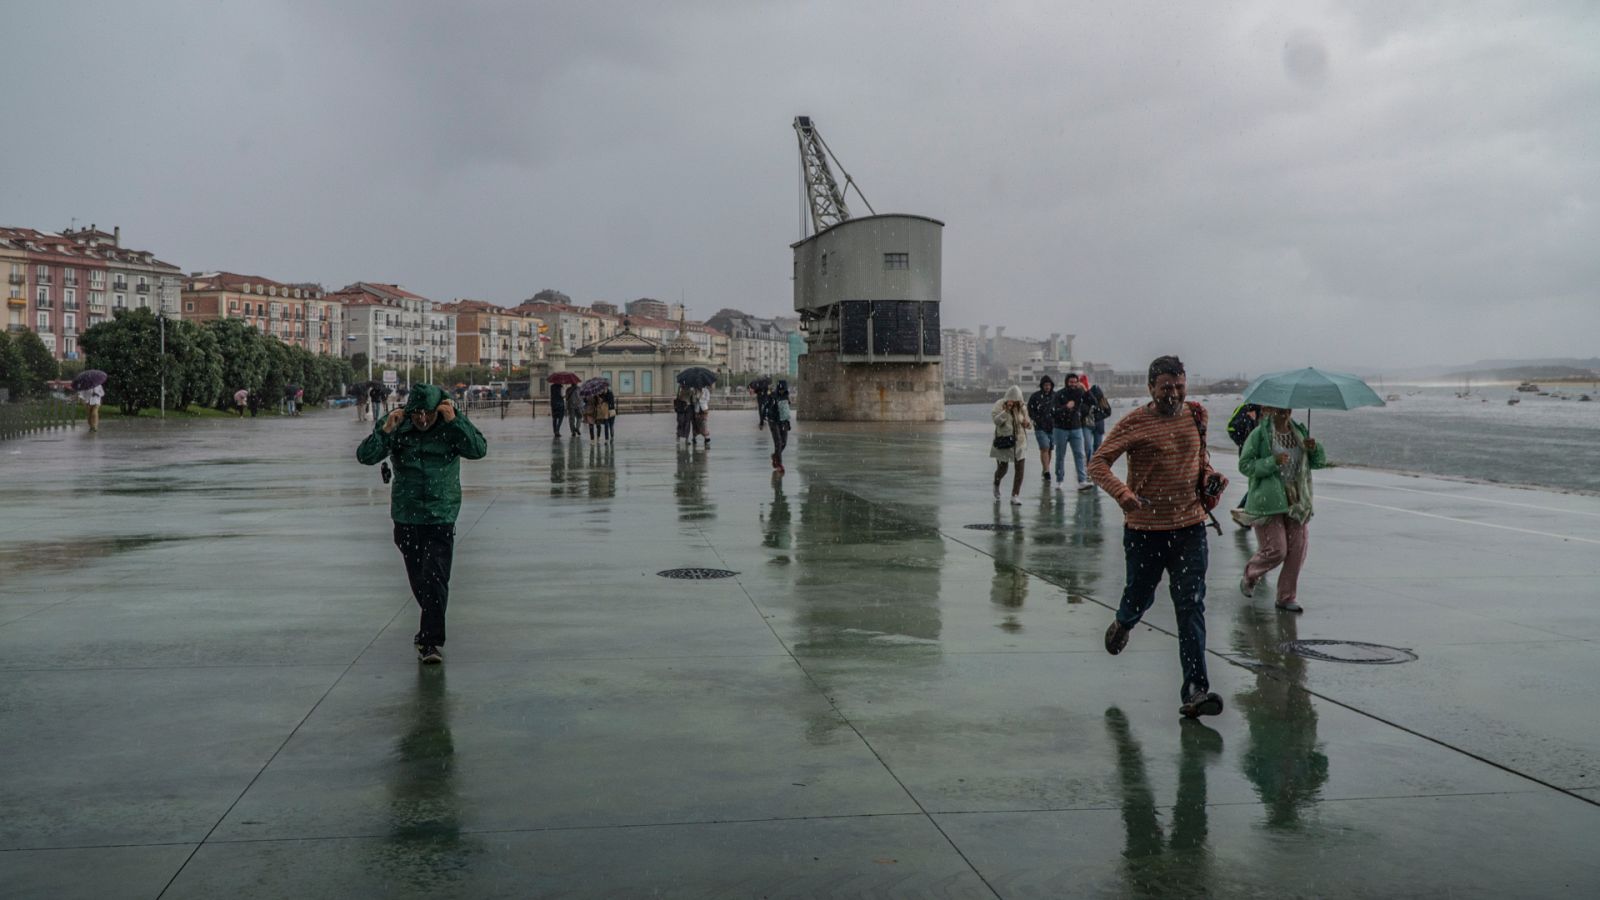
(1541, 441)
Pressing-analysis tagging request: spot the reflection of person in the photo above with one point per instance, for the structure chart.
(1009, 589)
(690, 487)
(1164, 521)
(1043, 432)
(426, 439)
(91, 398)
(1278, 457)
(425, 845)
(1181, 865)
(1010, 440)
(1283, 759)
(775, 524)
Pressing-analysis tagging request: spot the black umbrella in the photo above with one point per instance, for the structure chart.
(762, 383)
(697, 377)
(88, 378)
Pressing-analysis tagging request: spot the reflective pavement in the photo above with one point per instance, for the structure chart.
(208, 685)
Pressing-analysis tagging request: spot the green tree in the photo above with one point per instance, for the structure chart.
(244, 354)
(39, 364)
(195, 358)
(14, 372)
(128, 349)
(358, 363)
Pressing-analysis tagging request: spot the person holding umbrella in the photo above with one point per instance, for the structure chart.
(558, 397)
(427, 439)
(240, 398)
(91, 387)
(1278, 457)
(761, 387)
(777, 415)
(574, 407)
(700, 379)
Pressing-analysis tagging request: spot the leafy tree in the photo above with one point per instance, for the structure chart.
(128, 349)
(194, 356)
(14, 373)
(38, 362)
(244, 354)
(358, 363)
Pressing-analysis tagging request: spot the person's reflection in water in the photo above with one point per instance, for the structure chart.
(425, 849)
(775, 523)
(602, 470)
(690, 488)
(1009, 589)
(1283, 759)
(558, 468)
(1179, 865)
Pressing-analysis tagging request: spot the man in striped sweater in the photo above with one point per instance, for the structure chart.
(1164, 524)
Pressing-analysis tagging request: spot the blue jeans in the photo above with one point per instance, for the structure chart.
(1097, 436)
(1182, 555)
(1075, 438)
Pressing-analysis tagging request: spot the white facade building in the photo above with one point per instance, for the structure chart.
(959, 348)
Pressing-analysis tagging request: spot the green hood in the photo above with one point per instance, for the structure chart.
(425, 398)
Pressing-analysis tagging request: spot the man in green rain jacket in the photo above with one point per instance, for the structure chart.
(426, 439)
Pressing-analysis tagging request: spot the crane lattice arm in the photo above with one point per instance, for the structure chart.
(826, 197)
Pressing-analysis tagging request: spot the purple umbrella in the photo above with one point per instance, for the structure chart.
(88, 378)
(593, 386)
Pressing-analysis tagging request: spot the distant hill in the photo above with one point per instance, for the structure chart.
(1500, 370)
(1525, 373)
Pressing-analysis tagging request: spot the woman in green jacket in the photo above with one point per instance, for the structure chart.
(1278, 457)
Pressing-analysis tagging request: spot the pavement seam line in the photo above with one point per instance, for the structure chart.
(289, 737)
(851, 725)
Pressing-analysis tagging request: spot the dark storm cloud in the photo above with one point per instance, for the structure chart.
(1251, 184)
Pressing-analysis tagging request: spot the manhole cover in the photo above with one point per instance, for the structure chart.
(993, 526)
(696, 573)
(1349, 652)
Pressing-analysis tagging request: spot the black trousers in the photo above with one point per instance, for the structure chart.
(428, 551)
(780, 437)
(557, 414)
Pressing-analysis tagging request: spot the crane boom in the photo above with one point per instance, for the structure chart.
(826, 198)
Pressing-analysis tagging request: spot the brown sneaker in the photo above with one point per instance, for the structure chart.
(1116, 637)
(1201, 703)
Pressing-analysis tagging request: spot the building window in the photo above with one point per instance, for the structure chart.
(69, 298)
(189, 306)
(897, 260)
(69, 322)
(119, 301)
(647, 382)
(44, 322)
(69, 346)
(43, 296)
(625, 382)
(606, 375)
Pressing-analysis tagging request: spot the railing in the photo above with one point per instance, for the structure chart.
(41, 279)
(119, 285)
(18, 279)
(42, 304)
(142, 289)
(17, 419)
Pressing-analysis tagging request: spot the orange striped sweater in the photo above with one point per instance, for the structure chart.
(1164, 466)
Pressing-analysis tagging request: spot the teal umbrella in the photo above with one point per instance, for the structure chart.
(1310, 389)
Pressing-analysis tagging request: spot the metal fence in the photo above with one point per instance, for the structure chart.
(27, 416)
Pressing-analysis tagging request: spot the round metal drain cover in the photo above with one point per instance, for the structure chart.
(696, 573)
(993, 526)
(1349, 652)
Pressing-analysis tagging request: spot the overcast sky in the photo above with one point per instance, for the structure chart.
(1252, 185)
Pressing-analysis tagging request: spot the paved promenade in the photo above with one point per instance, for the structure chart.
(207, 686)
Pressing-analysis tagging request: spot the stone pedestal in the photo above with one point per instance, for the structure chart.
(830, 391)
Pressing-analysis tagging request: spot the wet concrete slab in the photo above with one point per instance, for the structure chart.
(208, 679)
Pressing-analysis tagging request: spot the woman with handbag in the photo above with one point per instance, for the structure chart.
(1278, 457)
(1010, 429)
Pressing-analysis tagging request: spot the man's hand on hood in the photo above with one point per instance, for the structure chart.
(447, 409)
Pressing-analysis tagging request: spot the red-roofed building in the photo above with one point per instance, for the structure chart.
(396, 328)
(49, 278)
(495, 336)
(297, 314)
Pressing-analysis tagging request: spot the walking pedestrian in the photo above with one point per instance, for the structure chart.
(1039, 412)
(91, 397)
(574, 407)
(761, 390)
(1011, 424)
(1245, 418)
(1067, 411)
(558, 407)
(1278, 458)
(777, 415)
(591, 409)
(375, 394)
(702, 414)
(426, 439)
(1099, 411)
(1164, 529)
(683, 408)
(240, 397)
(606, 413)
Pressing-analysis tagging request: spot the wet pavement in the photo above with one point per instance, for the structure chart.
(207, 685)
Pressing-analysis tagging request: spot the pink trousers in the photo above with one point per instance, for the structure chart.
(1283, 542)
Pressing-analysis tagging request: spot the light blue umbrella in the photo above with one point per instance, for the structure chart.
(1310, 389)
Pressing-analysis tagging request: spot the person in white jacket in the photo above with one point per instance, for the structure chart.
(702, 414)
(1011, 425)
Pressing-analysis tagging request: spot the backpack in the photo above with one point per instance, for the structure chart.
(1240, 424)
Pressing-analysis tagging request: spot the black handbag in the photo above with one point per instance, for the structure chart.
(1005, 442)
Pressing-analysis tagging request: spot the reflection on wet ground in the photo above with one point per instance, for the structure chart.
(210, 687)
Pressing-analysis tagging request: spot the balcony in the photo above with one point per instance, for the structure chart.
(42, 279)
(17, 278)
(15, 328)
(119, 285)
(43, 304)
(142, 289)
(17, 301)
